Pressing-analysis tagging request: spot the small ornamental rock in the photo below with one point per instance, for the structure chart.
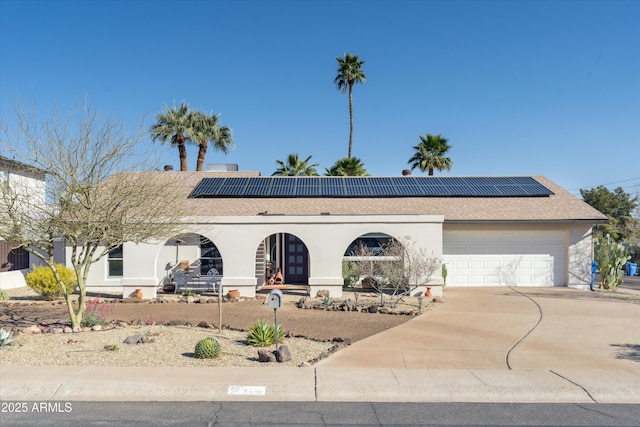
(266, 356)
(283, 354)
(134, 339)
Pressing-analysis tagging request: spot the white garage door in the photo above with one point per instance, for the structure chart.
(488, 258)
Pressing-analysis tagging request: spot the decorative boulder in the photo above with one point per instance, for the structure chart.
(283, 354)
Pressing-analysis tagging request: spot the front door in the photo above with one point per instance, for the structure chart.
(296, 261)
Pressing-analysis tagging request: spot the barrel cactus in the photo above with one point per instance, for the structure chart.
(207, 348)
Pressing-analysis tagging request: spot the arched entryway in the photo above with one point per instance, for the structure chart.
(193, 261)
(288, 253)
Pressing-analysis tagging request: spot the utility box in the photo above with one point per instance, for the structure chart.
(275, 299)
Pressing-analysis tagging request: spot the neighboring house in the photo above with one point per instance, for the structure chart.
(489, 231)
(14, 261)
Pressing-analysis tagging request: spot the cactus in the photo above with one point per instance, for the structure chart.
(6, 337)
(207, 348)
(611, 258)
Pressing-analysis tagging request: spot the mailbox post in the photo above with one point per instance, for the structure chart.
(275, 302)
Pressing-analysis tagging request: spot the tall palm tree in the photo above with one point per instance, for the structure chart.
(430, 154)
(174, 126)
(296, 167)
(349, 73)
(205, 128)
(348, 166)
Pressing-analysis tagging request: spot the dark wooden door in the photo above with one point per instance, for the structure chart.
(296, 261)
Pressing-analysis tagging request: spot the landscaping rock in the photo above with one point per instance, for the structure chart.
(283, 354)
(322, 293)
(266, 356)
(134, 339)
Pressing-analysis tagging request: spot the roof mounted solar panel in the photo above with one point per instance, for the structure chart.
(374, 187)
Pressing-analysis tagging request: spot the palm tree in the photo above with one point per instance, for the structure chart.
(205, 128)
(174, 126)
(349, 73)
(295, 167)
(347, 167)
(430, 154)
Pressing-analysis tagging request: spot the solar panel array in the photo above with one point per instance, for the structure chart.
(354, 187)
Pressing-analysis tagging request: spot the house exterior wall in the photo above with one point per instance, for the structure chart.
(326, 237)
(580, 254)
(238, 238)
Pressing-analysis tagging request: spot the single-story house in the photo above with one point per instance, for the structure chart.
(488, 231)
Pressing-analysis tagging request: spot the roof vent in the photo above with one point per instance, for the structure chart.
(406, 172)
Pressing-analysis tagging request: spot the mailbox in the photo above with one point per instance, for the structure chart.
(275, 299)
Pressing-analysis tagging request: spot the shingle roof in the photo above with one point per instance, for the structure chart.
(561, 206)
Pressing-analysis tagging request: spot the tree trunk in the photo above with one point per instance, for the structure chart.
(182, 151)
(201, 153)
(350, 120)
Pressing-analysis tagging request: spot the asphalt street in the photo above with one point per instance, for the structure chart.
(309, 414)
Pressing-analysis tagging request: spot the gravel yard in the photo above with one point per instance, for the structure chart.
(311, 331)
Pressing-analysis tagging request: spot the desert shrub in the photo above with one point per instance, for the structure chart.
(42, 280)
(3, 295)
(262, 334)
(97, 313)
(6, 337)
(327, 301)
(207, 348)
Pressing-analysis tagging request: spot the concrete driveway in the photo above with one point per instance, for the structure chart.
(508, 328)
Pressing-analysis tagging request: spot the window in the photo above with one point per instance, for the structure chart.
(115, 262)
(13, 258)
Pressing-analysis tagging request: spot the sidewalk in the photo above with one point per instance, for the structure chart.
(483, 345)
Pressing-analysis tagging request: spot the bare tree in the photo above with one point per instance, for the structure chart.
(410, 267)
(98, 193)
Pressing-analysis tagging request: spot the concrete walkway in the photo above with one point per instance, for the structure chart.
(483, 345)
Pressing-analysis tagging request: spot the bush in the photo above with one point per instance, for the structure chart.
(42, 280)
(3, 295)
(207, 348)
(97, 313)
(262, 334)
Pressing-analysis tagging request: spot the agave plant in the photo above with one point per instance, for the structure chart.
(6, 337)
(262, 334)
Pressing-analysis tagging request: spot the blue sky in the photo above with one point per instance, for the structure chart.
(518, 87)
